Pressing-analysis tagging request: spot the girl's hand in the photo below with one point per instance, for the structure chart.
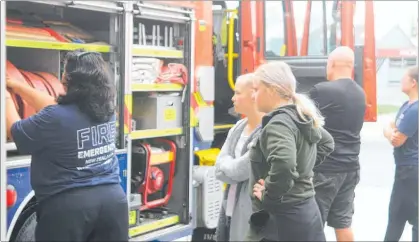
(258, 188)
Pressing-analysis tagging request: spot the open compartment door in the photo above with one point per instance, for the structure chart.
(3, 173)
(250, 44)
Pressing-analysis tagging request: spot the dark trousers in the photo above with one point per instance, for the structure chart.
(290, 222)
(98, 213)
(403, 203)
(301, 222)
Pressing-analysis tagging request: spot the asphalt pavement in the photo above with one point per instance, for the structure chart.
(374, 189)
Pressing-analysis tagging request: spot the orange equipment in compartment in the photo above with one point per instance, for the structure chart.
(22, 106)
(174, 73)
(154, 159)
(154, 178)
(40, 30)
(41, 81)
(156, 183)
(19, 31)
(52, 83)
(35, 81)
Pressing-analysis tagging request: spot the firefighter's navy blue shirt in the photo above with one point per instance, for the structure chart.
(68, 150)
(407, 124)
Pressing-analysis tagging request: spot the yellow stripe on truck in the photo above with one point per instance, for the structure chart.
(127, 113)
(148, 227)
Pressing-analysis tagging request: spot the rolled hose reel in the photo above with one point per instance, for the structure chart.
(41, 81)
(14, 73)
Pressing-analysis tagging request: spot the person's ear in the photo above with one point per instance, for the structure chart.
(414, 83)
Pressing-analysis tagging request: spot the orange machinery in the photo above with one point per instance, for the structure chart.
(251, 23)
(249, 27)
(44, 82)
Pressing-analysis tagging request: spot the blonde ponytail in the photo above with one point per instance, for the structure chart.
(306, 107)
(278, 75)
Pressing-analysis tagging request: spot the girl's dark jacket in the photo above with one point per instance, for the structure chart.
(284, 156)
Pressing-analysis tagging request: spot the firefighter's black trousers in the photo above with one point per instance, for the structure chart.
(403, 203)
(98, 213)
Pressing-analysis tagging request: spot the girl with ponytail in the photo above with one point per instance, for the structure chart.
(291, 143)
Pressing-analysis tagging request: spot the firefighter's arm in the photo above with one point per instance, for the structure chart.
(37, 99)
(389, 130)
(398, 139)
(12, 115)
(35, 132)
(407, 127)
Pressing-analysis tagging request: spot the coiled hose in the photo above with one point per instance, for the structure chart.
(42, 81)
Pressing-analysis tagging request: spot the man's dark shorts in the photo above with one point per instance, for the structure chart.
(335, 194)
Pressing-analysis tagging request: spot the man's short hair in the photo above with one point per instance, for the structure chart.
(413, 73)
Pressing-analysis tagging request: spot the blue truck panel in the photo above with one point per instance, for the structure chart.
(19, 178)
(200, 145)
(123, 160)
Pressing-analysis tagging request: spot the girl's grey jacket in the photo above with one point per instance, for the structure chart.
(235, 170)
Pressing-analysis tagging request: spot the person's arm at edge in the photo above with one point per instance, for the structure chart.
(407, 127)
(388, 130)
(223, 157)
(35, 132)
(237, 169)
(12, 115)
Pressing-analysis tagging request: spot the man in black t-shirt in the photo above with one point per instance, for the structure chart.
(342, 102)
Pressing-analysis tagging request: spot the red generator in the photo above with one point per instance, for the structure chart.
(152, 172)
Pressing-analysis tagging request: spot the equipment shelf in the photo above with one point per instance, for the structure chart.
(151, 225)
(154, 133)
(139, 87)
(161, 158)
(158, 52)
(109, 29)
(100, 6)
(51, 45)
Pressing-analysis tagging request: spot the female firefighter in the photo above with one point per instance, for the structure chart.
(233, 165)
(282, 160)
(74, 170)
(403, 136)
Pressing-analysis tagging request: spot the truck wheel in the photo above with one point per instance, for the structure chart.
(24, 230)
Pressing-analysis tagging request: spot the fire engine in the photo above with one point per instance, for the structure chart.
(174, 63)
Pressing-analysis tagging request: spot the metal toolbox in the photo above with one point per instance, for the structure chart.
(159, 111)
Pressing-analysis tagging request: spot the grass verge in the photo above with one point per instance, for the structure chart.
(387, 109)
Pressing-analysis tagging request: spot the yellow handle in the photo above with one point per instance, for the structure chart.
(230, 48)
(283, 50)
